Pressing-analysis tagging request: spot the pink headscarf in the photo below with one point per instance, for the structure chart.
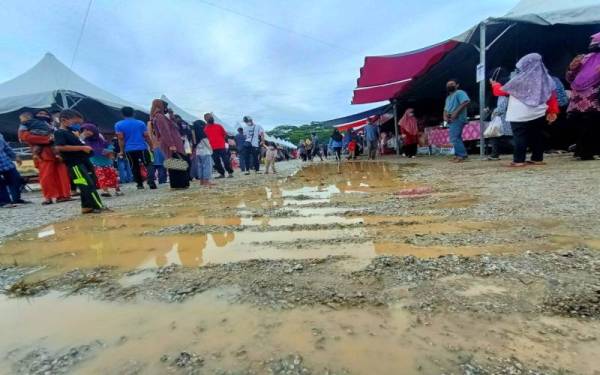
(408, 122)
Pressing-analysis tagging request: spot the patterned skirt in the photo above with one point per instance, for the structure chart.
(107, 177)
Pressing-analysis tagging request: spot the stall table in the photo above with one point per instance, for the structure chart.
(440, 137)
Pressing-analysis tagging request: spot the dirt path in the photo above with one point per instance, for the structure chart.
(363, 268)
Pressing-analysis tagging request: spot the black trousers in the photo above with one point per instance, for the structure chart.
(338, 153)
(529, 134)
(83, 176)
(588, 133)
(137, 159)
(251, 158)
(410, 150)
(222, 161)
(499, 143)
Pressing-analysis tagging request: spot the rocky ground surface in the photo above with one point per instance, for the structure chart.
(496, 271)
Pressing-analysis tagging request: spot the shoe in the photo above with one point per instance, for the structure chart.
(86, 211)
(152, 186)
(21, 201)
(247, 173)
(61, 200)
(493, 158)
(106, 195)
(140, 187)
(48, 202)
(230, 176)
(536, 162)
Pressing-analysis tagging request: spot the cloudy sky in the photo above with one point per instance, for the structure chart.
(282, 62)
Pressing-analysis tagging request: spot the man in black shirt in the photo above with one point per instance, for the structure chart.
(76, 156)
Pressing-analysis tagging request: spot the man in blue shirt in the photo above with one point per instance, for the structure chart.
(134, 142)
(455, 114)
(372, 137)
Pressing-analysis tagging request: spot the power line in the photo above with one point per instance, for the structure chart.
(270, 24)
(85, 18)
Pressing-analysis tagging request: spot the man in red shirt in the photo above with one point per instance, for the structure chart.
(217, 137)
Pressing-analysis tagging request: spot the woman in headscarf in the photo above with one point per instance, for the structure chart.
(203, 154)
(102, 159)
(584, 108)
(409, 130)
(166, 131)
(532, 103)
(54, 176)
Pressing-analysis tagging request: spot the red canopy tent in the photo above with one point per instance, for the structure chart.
(385, 77)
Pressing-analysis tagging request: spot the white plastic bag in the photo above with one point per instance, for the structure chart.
(494, 129)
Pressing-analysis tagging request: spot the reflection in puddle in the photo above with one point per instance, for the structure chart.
(269, 222)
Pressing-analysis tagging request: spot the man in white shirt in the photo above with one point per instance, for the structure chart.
(254, 137)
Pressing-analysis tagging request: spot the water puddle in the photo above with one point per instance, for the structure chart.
(241, 337)
(316, 213)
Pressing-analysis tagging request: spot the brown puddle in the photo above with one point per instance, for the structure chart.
(307, 207)
(236, 337)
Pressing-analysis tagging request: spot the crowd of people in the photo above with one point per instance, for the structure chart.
(74, 158)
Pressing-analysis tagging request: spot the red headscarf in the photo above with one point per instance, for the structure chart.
(408, 122)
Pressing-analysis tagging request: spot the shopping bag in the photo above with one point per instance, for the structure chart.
(494, 129)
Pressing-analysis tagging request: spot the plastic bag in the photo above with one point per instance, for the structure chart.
(494, 129)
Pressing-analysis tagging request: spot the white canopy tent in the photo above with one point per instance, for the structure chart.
(51, 85)
(38, 86)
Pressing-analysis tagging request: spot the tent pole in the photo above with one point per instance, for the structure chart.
(396, 127)
(63, 98)
(482, 50)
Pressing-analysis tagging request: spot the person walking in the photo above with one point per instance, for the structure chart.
(372, 137)
(102, 160)
(240, 140)
(532, 103)
(77, 157)
(121, 163)
(254, 136)
(584, 109)
(455, 114)
(134, 143)
(336, 144)
(271, 158)
(316, 144)
(409, 130)
(10, 179)
(217, 136)
(500, 113)
(203, 154)
(54, 176)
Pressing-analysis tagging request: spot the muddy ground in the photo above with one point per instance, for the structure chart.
(361, 268)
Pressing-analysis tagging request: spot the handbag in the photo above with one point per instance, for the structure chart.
(176, 163)
(494, 129)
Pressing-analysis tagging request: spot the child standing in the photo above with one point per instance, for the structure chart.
(204, 153)
(270, 157)
(77, 158)
(352, 149)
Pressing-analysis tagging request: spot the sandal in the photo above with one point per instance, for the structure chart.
(517, 165)
(61, 200)
(531, 162)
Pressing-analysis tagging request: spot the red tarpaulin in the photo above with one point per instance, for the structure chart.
(384, 77)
